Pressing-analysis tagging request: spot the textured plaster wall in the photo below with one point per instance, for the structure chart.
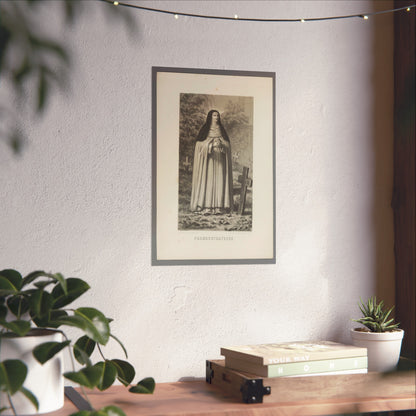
(78, 200)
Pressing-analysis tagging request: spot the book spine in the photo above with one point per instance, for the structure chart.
(288, 369)
(313, 367)
(333, 373)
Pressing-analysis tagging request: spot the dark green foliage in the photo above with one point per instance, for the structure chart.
(44, 352)
(12, 375)
(105, 411)
(88, 376)
(74, 289)
(108, 374)
(39, 300)
(125, 371)
(40, 62)
(146, 386)
(83, 349)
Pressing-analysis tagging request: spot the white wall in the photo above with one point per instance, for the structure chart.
(79, 198)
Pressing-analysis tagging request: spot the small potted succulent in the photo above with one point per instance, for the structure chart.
(380, 335)
(34, 310)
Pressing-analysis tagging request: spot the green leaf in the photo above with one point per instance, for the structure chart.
(45, 351)
(12, 375)
(75, 321)
(20, 73)
(31, 277)
(6, 287)
(43, 284)
(40, 304)
(82, 357)
(13, 276)
(88, 377)
(89, 320)
(43, 88)
(18, 327)
(110, 411)
(30, 396)
(50, 45)
(75, 288)
(83, 349)
(105, 411)
(125, 371)
(69, 11)
(375, 318)
(54, 277)
(145, 386)
(55, 316)
(61, 279)
(83, 413)
(389, 312)
(18, 305)
(98, 328)
(3, 312)
(108, 374)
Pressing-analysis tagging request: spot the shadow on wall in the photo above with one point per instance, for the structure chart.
(403, 202)
(363, 248)
(382, 142)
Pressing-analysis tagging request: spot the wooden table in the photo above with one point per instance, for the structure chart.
(202, 399)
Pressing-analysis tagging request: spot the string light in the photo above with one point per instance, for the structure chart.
(249, 19)
(176, 17)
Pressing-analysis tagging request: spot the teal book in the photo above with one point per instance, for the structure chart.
(338, 365)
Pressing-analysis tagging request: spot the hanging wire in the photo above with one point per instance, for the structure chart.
(250, 19)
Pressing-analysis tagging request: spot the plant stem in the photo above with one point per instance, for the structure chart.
(73, 369)
(19, 310)
(11, 404)
(101, 353)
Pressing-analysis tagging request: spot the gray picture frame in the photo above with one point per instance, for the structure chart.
(189, 225)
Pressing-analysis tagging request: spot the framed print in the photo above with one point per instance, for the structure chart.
(213, 166)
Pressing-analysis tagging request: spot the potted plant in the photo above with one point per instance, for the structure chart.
(34, 310)
(380, 335)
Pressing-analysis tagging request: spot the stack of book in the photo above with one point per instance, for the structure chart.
(296, 359)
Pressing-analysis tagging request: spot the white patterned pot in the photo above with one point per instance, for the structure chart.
(383, 348)
(44, 381)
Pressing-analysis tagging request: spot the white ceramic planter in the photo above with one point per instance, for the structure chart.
(44, 381)
(383, 348)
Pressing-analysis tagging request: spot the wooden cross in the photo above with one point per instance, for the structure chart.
(186, 164)
(236, 155)
(246, 182)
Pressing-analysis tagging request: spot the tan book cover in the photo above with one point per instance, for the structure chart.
(291, 352)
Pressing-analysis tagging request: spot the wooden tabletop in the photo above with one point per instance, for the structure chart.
(191, 398)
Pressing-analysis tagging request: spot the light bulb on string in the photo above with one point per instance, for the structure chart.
(249, 19)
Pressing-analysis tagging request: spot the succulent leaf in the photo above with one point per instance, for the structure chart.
(375, 318)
